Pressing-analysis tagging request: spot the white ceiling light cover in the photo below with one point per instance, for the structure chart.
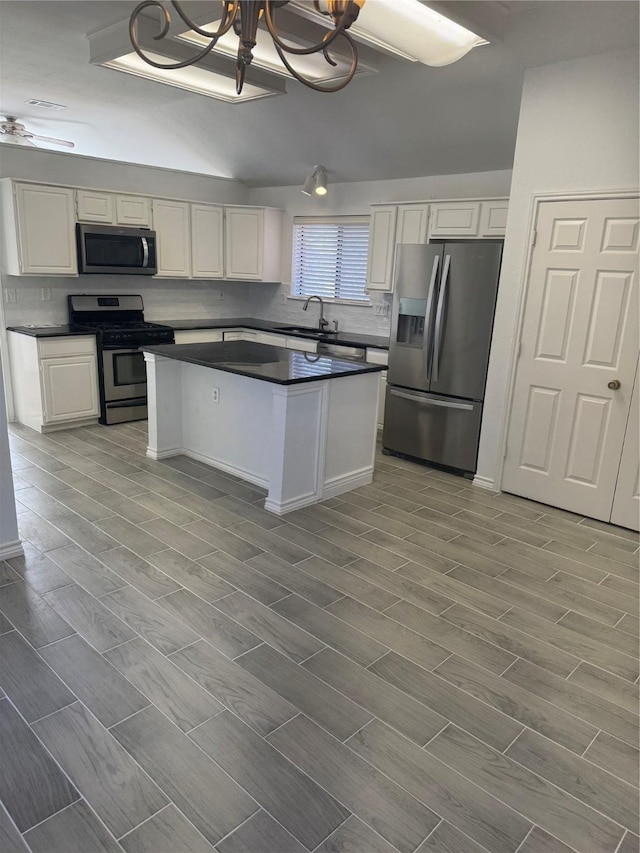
(193, 78)
(412, 30)
(312, 66)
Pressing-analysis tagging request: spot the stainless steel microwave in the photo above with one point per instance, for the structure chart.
(114, 250)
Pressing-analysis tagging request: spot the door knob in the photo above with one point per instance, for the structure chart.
(614, 384)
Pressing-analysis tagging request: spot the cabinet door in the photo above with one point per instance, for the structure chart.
(382, 238)
(493, 218)
(69, 388)
(380, 357)
(94, 207)
(171, 224)
(455, 219)
(46, 219)
(133, 210)
(207, 241)
(413, 223)
(244, 231)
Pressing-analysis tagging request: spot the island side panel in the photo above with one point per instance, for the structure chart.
(163, 402)
(233, 434)
(351, 433)
(299, 434)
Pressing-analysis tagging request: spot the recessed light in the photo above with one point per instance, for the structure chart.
(46, 105)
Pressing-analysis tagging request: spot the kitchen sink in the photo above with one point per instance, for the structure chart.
(302, 330)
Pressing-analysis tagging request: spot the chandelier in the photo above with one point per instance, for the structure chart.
(244, 16)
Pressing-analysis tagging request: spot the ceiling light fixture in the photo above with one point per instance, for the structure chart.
(316, 182)
(244, 16)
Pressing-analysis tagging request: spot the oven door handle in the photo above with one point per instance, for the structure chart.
(145, 251)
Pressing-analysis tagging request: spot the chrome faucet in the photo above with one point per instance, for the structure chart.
(322, 323)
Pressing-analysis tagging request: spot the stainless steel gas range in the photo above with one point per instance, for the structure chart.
(120, 328)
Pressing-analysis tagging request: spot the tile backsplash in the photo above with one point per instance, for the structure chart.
(168, 299)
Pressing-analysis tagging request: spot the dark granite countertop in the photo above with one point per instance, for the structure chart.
(261, 361)
(345, 338)
(47, 331)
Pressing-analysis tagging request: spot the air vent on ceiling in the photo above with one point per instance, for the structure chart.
(46, 105)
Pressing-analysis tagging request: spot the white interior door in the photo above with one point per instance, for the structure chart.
(579, 337)
(626, 500)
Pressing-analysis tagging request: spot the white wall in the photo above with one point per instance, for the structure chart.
(9, 541)
(353, 199)
(578, 132)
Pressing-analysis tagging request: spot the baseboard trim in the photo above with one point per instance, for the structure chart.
(157, 455)
(485, 483)
(229, 469)
(11, 549)
(346, 482)
(290, 505)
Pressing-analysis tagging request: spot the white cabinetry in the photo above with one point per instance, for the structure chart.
(271, 339)
(173, 238)
(198, 336)
(207, 241)
(239, 335)
(55, 380)
(303, 344)
(390, 226)
(38, 223)
(469, 218)
(252, 243)
(380, 356)
(113, 209)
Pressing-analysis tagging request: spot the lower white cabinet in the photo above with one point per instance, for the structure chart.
(271, 339)
(239, 335)
(69, 388)
(380, 356)
(198, 336)
(303, 344)
(55, 380)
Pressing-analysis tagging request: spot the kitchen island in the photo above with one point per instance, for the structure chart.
(300, 425)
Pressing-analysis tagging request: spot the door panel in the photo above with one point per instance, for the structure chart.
(580, 332)
(464, 318)
(626, 501)
(418, 271)
(430, 427)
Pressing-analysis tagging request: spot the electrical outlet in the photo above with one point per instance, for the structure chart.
(45, 294)
(215, 395)
(10, 296)
(221, 294)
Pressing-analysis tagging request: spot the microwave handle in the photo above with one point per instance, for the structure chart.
(145, 252)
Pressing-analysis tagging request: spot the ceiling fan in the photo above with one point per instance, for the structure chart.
(12, 131)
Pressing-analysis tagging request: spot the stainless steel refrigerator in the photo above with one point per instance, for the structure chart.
(443, 307)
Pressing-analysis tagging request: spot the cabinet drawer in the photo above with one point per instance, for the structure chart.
(378, 356)
(239, 335)
(302, 344)
(73, 345)
(198, 336)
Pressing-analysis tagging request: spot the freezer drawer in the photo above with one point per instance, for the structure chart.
(431, 427)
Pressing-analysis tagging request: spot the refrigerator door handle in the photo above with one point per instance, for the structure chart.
(426, 350)
(446, 404)
(437, 340)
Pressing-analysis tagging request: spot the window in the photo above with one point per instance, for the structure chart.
(330, 257)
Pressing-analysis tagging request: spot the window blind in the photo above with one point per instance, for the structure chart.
(330, 258)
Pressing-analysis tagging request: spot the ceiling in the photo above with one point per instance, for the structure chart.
(407, 120)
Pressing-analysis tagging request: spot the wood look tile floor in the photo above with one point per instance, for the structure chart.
(417, 665)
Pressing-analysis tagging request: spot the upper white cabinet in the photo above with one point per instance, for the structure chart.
(391, 225)
(113, 209)
(38, 223)
(207, 241)
(252, 243)
(133, 210)
(493, 218)
(468, 218)
(173, 238)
